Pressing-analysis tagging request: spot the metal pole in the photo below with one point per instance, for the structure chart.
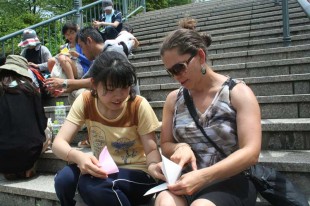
(144, 6)
(286, 24)
(125, 9)
(77, 6)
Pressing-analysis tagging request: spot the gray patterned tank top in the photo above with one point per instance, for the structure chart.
(218, 121)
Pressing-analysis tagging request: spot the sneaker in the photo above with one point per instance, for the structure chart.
(84, 144)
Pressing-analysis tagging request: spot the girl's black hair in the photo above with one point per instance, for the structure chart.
(69, 26)
(114, 70)
(23, 84)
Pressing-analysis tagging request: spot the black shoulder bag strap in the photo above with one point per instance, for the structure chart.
(190, 105)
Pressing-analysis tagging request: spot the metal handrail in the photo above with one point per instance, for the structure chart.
(305, 5)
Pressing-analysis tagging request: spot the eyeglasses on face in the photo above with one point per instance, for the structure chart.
(179, 68)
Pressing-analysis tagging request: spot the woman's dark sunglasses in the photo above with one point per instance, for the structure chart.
(178, 68)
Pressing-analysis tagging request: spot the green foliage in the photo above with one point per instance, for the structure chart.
(152, 5)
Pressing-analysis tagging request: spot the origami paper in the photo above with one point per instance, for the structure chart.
(65, 51)
(106, 162)
(171, 171)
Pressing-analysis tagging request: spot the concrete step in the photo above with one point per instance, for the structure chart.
(217, 47)
(39, 190)
(284, 134)
(209, 18)
(205, 10)
(272, 107)
(282, 160)
(247, 55)
(246, 35)
(267, 30)
(262, 86)
(244, 69)
(230, 21)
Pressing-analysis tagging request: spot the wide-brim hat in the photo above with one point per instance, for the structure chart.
(107, 5)
(16, 64)
(29, 38)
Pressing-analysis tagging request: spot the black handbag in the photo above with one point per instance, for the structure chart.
(271, 184)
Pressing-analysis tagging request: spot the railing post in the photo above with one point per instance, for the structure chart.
(125, 9)
(77, 18)
(144, 6)
(286, 24)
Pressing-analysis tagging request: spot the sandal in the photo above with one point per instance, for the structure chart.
(84, 144)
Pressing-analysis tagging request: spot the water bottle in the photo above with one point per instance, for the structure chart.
(56, 112)
(60, 112)
(55, 129)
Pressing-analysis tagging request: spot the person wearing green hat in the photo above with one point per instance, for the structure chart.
(22, 122)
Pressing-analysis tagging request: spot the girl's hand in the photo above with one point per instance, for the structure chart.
(155, 171)
(188, 183)
(89, 164)
(74, 53)
(183, 155)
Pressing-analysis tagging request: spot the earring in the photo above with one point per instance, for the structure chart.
(94, 92)
(203, 70)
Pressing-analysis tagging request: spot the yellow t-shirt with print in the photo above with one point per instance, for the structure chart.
(122, 134)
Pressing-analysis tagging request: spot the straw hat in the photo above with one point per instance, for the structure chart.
(29, 38)
(16, 64)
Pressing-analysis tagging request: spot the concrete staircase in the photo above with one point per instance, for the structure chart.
(247, 44)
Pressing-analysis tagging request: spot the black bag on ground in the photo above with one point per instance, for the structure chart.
(275, 187)
(272, 185)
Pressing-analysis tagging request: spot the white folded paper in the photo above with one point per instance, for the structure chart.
(172, 172)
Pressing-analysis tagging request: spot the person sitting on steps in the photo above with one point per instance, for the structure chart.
(92, 44)
(70, 63)
(110, 20)
(22, 123)
(227, 111)
(124, 39)
(122, 122)
(36, 54)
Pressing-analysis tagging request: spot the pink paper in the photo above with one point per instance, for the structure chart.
(106, 162)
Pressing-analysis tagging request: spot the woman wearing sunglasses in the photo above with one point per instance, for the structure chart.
(228, 113)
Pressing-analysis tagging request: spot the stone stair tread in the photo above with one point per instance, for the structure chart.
(288, 160)
(40, 186)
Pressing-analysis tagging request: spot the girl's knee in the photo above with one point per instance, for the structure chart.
(63, 58)
(202, 202)
(66, 179)
(166, 198)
